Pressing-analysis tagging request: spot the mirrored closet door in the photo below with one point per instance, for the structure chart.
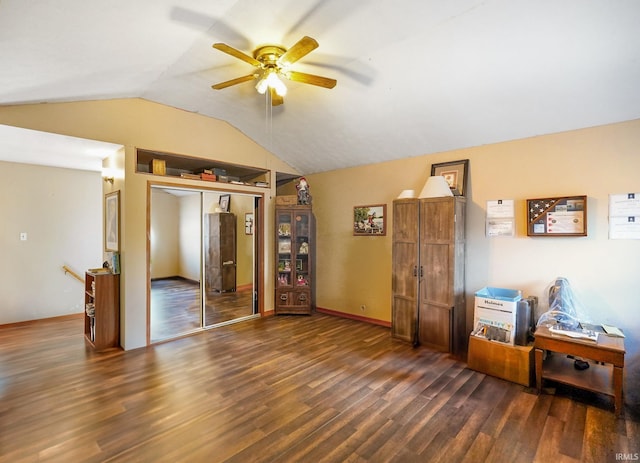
(202, 260)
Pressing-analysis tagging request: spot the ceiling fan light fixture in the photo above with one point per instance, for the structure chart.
(271, 80)
(272, 63)
(275, 83)
(262, 85)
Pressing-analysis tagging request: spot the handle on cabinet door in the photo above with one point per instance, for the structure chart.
(415, 270)
(421, 271)
(283, 297)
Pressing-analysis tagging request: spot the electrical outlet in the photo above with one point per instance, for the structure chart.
(23, 236)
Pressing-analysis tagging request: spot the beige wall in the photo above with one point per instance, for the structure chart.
(164, 239)
(355, 271)
(239, 206)
(190, 237)
(60, 210)
(139, 123)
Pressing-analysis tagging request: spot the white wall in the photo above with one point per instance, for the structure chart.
(61, 212)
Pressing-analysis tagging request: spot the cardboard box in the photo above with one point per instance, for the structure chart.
(497, 307)
(158, 167)
(513, 363)
(208, 177)
(288, 200)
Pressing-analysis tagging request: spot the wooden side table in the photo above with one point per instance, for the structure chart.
(605, 379)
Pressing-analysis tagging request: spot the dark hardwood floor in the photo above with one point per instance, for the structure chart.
(176, 308)
(280, 389)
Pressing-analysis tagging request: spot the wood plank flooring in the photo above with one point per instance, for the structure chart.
(280, 389)
(175, 307)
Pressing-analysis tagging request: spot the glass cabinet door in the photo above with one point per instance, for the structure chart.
(302, 229)
(285, 237)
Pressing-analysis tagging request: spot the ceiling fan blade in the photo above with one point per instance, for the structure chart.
(235, 81)
(276, 100)
(301, 48)
(236, 53)
(311, 79)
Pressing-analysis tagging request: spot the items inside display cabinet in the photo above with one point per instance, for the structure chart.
(294, 245)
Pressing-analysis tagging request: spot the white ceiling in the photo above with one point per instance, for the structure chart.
(414, 76)
(49, 149)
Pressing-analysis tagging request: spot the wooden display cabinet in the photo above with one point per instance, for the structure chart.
(102, 310)
(294, 239)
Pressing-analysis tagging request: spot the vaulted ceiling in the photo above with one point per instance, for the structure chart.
(414, 76)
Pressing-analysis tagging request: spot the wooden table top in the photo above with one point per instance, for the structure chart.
(604, 342)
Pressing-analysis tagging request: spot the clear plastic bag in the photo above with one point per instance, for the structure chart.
(564, 307)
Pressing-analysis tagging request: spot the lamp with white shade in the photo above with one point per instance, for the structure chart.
(435, 187)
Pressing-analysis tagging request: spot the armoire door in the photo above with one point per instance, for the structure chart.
(442, 310)
(404, 283)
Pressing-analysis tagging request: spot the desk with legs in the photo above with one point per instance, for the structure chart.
(605, 379)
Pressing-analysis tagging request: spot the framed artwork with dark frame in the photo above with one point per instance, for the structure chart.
(112, 221)
(370, 220)
(455, 173)
(224, 203)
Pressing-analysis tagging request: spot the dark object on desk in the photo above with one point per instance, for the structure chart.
(580, 364)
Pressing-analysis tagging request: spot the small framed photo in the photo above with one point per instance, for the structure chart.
(455, 173)
(284, 247)
(370, 220)
(248, 223)
(225, 202)
(112, 222)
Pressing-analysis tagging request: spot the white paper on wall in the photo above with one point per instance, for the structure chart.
(500, 219)
(624, 216)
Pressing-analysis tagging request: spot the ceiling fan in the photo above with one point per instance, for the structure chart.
(273, 63)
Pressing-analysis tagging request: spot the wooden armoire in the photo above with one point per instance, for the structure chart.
(428, 292)
(220, 251)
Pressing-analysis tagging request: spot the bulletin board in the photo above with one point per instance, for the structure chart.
(559, 216)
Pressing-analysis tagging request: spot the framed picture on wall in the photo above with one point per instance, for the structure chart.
(369, 220)
(558, 216)
(225, 202)
(248, 223)
(112, 221)
(455, 173)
